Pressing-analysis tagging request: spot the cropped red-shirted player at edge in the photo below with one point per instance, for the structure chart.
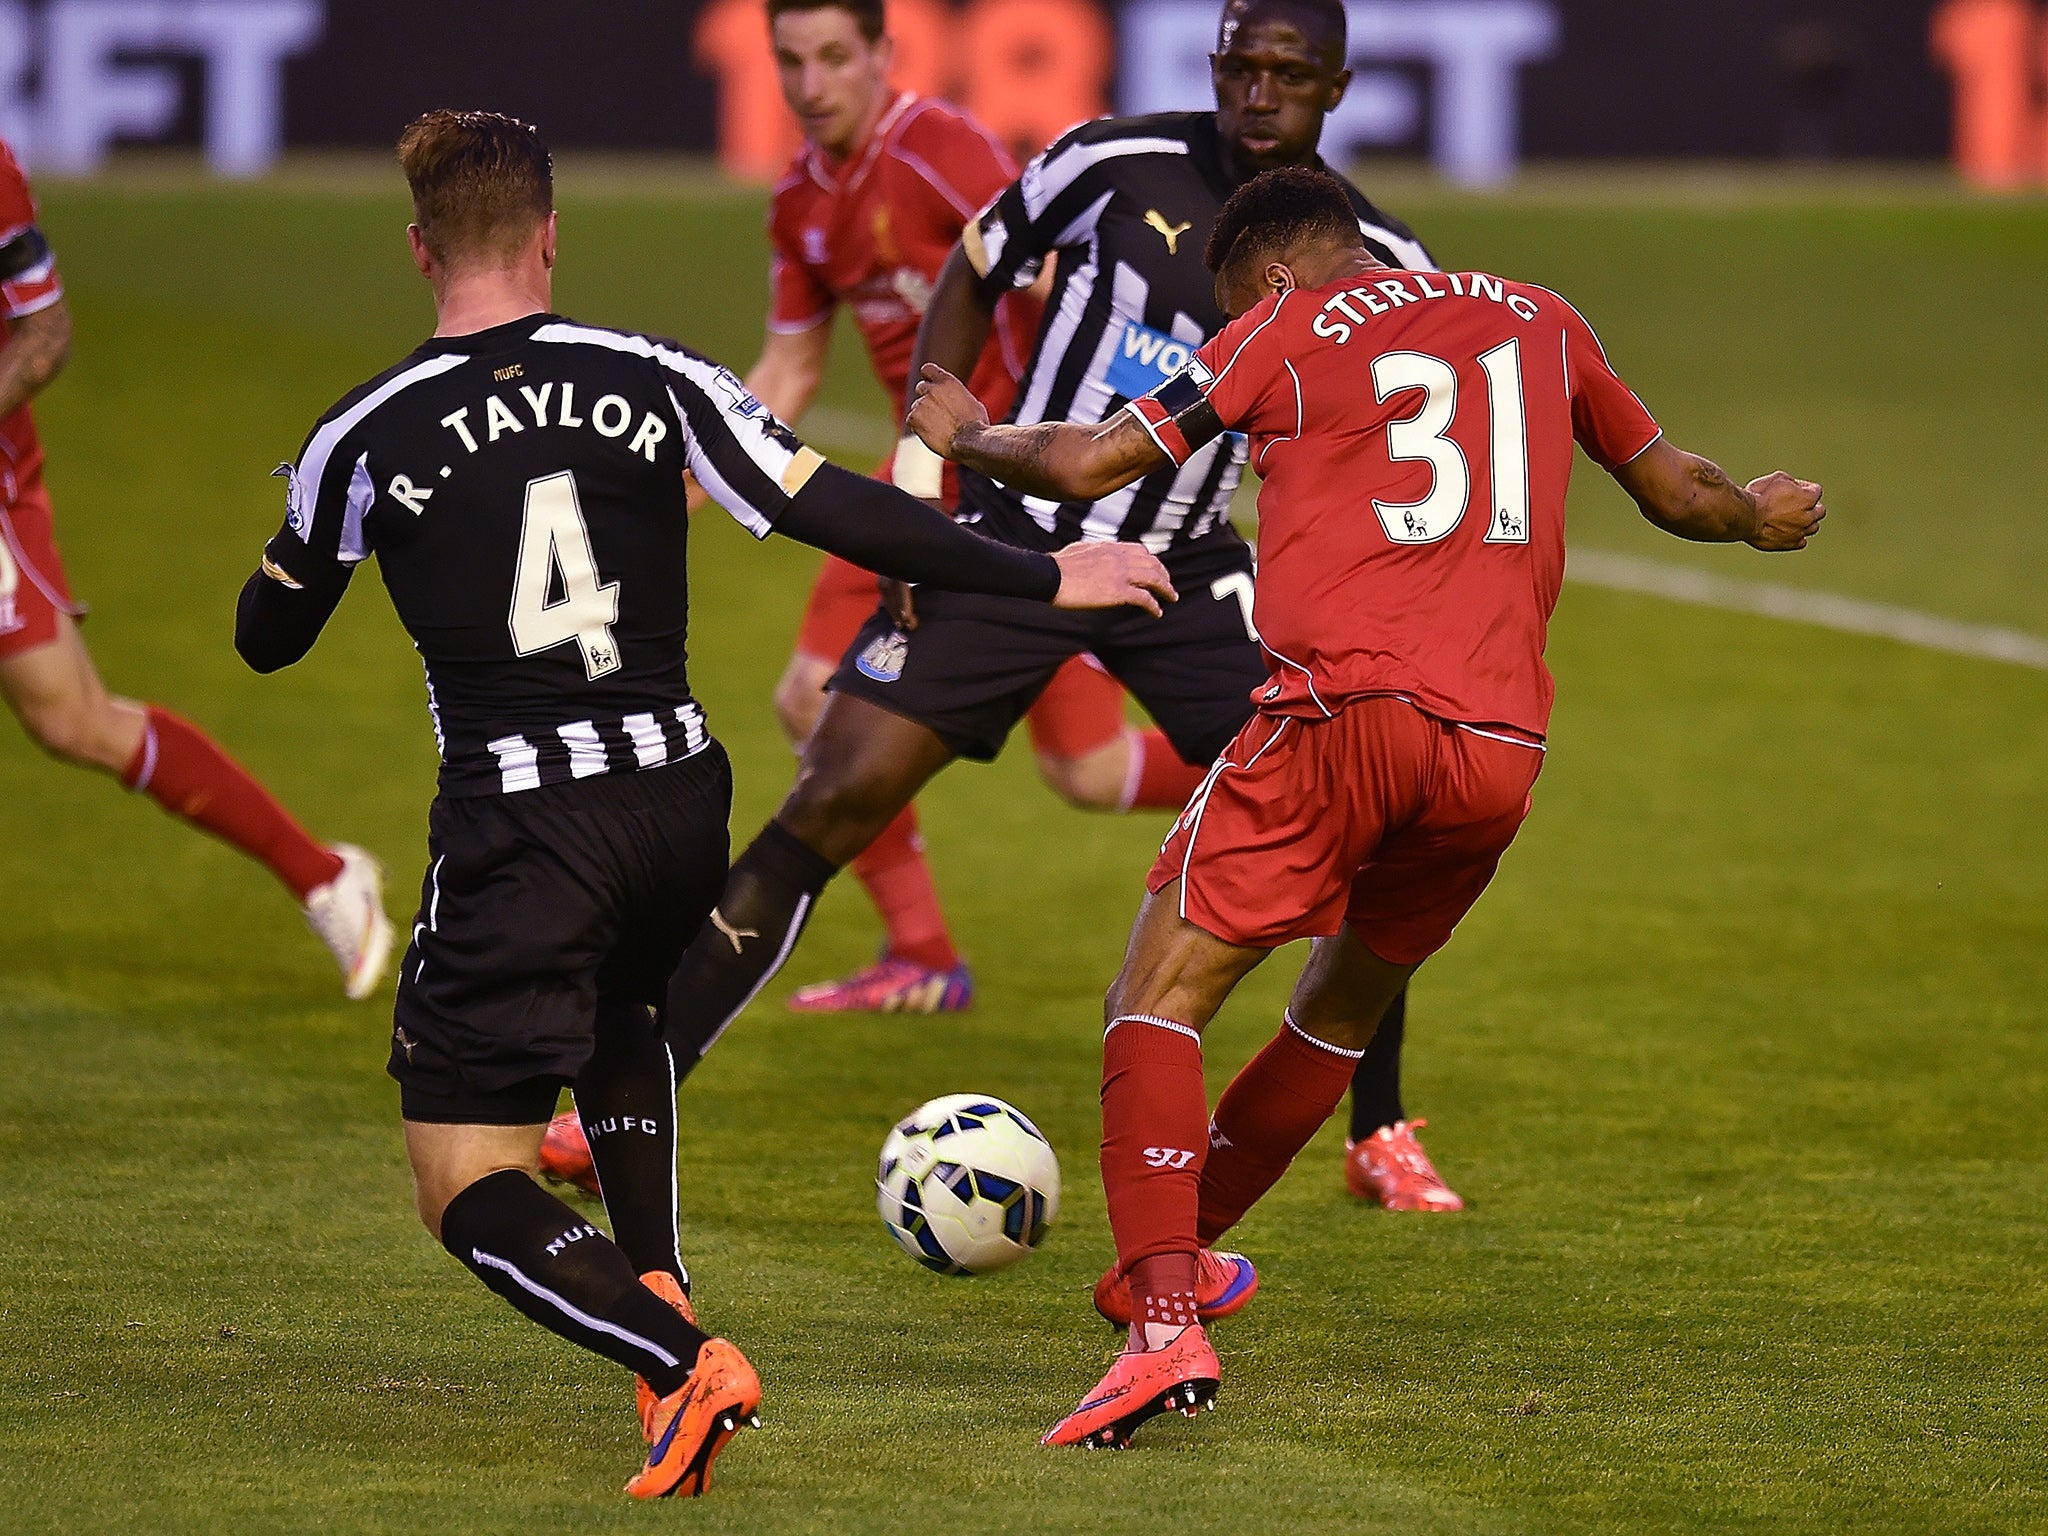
(1415, 433)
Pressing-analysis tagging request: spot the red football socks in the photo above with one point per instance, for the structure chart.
(181, 769)
(1154, 1135)
(1267, 1115)
(1162, 1299)
(1157, 779)
(898, 881)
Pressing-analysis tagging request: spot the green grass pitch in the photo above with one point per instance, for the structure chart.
(1740, 1062)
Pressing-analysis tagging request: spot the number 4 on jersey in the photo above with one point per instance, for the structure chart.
(553, 539)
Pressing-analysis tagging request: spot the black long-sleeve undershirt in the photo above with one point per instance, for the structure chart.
(877, 527)
(276, 623)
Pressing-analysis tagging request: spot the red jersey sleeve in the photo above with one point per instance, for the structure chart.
(959, 166)
(1227, 386)
(28, 270)
(1610, 423)
(797, 301)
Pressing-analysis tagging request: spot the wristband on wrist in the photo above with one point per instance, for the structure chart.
(917, 471)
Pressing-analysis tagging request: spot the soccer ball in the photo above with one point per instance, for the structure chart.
(967, 1185)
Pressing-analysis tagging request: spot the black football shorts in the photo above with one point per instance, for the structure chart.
(974, 665)
(535, 906)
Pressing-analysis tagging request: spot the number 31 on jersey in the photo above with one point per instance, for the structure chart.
(554, 554)
(1425, 437)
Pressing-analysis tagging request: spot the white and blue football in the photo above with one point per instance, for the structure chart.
(967, 1185)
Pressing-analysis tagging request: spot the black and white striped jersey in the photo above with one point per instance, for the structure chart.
(1128, 204)
(522, 489)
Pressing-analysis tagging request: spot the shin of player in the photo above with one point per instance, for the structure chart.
(1368, 802)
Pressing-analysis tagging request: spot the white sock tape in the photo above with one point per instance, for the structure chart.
(916, 470)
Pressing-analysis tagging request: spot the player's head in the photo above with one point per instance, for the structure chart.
(832, 58)
(483, 192)
(1289, 228)
(1278, 69)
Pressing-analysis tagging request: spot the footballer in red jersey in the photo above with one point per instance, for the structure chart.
(48, 677)
(870, 210)
(1415, 431)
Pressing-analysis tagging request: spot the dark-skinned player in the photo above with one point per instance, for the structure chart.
(1126, 204)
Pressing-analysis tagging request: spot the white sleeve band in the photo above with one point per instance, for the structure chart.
(917, 471)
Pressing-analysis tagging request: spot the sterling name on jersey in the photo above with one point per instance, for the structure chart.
(1128, 204)
(522, 489)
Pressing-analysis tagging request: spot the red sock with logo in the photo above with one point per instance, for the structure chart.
(893, 871)
(181, 769)
(1154, 1136)
(1267, 1115)
(1157, 779)
(1163, 1299)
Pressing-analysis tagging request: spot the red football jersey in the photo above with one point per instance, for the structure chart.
(32, 287)
(1415, 434)
(873, 232)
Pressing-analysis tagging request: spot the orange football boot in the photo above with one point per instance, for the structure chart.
(1390, 1168)
(1224, 1282)
(1181, 1378)
(670, 1290)
(565, 1154)
(721, 1397)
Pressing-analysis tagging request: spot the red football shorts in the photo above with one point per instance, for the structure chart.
(32, 586)
(1384, 818)
(1081, 710)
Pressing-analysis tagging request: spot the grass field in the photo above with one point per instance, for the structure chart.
(1740, 1063)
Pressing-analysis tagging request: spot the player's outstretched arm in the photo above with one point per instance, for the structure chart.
(878, 527)
(1693, 498)
(35, 352)
(1063, 460)
(277, 617)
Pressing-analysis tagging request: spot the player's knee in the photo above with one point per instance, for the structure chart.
(1094, 782)
(69, 729)
(839, 805)
(799, 700)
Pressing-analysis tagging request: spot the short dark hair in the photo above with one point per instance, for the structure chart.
(867, 14)
(480, 182)
(1327, 19)
(1275, 211)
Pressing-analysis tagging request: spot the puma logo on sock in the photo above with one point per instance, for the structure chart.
(733, 935)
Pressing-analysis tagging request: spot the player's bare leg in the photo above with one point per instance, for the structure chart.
(476, 1194)
(1092, 758)
(861, 767)
(56, 692)
(920, 970)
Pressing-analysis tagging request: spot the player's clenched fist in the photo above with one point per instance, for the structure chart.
(943, 405)
(1788, 511)
(1094, 574)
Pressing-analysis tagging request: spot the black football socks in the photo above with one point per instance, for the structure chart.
(1376, 1084)
(626, 1099)
(564, 1274)
(768, 898)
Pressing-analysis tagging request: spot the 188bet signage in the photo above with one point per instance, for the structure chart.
(1475, 85)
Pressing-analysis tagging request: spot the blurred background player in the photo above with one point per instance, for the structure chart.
(48, 675)
(871, 206)
(1116, 213)
(1417, 436)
